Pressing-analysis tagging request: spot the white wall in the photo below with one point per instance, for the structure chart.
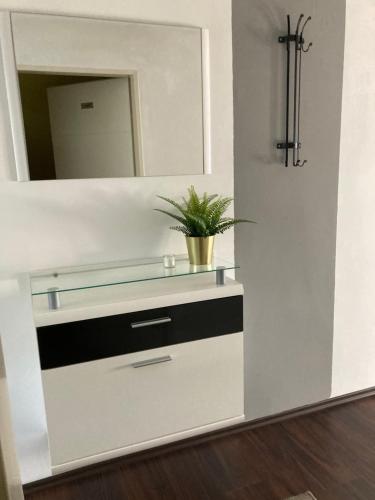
(49, 223)
(62, 223)
(288, 259)
(10, 481)
(354, 331)
(22, 367)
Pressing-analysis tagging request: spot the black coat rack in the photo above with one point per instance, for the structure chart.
(298, 40)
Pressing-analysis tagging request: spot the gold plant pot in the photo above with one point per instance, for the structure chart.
(200, 250)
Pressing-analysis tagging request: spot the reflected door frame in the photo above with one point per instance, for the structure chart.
(134, 102)
(10, 70)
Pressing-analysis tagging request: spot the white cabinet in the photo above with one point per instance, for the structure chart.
(119, 383)
(110, 407)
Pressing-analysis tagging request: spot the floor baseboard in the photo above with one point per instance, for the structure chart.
(168, 448)
(310, 408)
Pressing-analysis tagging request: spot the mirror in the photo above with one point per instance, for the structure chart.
(77, 127)
(106, 99)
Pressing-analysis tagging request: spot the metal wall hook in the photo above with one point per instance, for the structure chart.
(299, 48)
(299, 24)
(304, 25)
(307, 49)
(302, 39)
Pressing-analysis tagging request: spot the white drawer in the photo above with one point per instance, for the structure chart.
(108, 404)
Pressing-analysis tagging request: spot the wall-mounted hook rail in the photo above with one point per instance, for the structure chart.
(296, 38)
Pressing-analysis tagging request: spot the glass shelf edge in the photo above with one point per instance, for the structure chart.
(64, 289)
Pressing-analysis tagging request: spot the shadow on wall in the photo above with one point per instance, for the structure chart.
(287, 263)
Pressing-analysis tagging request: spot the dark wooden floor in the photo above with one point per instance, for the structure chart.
(331, 453)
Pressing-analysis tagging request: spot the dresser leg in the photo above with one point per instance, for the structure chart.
(220, 276)
(53, 299)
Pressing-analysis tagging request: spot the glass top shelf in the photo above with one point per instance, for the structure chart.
(118, 273)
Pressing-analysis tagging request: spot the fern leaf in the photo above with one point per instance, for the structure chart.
(221, 228)
(180, 229)
(177, 205)
(174, 216)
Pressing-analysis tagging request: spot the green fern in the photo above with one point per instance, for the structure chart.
(201, 216)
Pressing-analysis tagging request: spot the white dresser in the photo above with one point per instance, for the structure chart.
(136, 366)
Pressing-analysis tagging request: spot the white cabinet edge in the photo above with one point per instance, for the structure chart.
(82, 462)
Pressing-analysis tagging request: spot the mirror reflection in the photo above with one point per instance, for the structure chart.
(78, 127)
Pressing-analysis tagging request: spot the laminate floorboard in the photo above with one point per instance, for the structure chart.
(330, 452)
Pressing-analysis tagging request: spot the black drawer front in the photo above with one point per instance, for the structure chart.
(88, 340)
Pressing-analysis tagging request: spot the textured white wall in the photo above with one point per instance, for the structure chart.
(54, 223)
(354, 332)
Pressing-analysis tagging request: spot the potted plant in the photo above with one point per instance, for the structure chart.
(201, 218)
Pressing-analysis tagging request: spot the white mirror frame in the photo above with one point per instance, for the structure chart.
(14, 97)
(10, 70)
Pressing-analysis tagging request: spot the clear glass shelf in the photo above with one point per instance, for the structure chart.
(117, 273)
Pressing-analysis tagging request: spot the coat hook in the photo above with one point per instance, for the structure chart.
(299, 23)
(308, 47)
(304, 25)
(302, 40)
(299, 48)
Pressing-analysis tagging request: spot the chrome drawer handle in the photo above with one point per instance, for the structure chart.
(153, 361)
(150, 322)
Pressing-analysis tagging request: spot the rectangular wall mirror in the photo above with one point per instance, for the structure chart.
(102, 99)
